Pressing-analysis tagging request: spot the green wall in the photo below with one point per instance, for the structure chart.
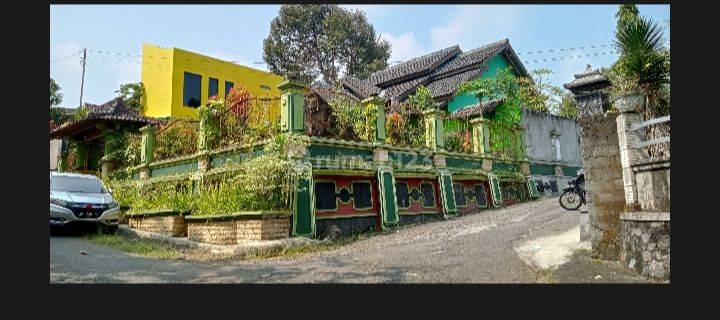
(461, 101)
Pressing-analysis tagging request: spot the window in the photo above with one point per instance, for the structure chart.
(191, 90)
(76, 184)
(212, 87)
(228, 85)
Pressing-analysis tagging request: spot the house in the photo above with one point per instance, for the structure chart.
(551, 143)
(90, 138)
(441, 71)
(178, 81)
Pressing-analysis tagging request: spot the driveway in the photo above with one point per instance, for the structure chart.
(478, 248)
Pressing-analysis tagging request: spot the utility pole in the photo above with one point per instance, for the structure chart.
(82, 82)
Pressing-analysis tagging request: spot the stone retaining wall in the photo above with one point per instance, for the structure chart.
(262, 229)
(645, 243)
(170, 225)
(214, 232)
(235, 230)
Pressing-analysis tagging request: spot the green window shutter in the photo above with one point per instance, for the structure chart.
(448, 195)
(496, 193)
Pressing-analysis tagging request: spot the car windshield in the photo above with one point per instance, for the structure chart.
(76, 184)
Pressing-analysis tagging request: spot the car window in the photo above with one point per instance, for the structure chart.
(76, 184)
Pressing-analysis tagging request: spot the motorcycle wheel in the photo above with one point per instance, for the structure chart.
(570, 200)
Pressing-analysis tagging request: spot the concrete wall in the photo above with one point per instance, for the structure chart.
(541, 127)
(54, 153)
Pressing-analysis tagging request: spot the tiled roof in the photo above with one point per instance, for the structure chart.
(475, 110)
(112, 110)
(442, 71)
(362, 88)
(329, 93)
(446, 86)
(589, 76)
(413, 67)
(473, 57)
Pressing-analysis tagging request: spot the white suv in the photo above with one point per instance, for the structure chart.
(78, 198)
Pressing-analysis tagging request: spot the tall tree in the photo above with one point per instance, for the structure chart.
(56, 96)
(627, 13)
(308, 42)
(132, 94)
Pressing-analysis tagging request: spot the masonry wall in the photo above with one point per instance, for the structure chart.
(604, 183)
(167, 225)
(537, 138)
(646, 246)
(214, 232)
(262, 229)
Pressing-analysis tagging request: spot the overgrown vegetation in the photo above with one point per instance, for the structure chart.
(132, 95)
(348, 119)
(404, 124)
(506, 115)
(643, 67)
(239, 119)
(265, 182)
(176, 138)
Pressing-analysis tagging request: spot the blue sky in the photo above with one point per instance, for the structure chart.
(235, 32)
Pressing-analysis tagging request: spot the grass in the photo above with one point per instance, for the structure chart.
(546, 276)
(143, 247)
(325, 245)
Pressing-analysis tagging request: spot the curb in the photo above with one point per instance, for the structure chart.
(233, 250)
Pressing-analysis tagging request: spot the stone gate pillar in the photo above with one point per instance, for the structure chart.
(601, 161)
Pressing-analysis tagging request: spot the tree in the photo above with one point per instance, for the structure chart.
(644, 67)
(307, 42)
(56, 96)
(627, 13)
(132, 94)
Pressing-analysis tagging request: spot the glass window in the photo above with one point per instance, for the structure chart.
(212, 87)
(76, 184)
(191, 90)
(228, 86)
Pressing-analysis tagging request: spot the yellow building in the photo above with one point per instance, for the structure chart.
(178, 81)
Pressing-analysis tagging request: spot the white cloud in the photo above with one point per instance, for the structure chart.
(404, 46)
(474, 25)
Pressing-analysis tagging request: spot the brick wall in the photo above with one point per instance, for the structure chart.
(238, 231)
(167, 225)
(604, 183)
(263, 229)
(214, 232)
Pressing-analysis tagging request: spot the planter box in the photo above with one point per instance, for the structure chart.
(229, 229)
(169, 223)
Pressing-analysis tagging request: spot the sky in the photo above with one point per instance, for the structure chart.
(114, 34)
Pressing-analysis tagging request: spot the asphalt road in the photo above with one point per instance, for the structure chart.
(475, 248)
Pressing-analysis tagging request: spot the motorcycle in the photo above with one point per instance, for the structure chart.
(573, 195)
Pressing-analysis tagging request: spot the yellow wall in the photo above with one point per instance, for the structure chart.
(163, 69)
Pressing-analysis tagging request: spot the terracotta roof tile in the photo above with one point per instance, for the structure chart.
(475, 110)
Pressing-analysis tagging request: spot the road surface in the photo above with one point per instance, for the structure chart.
(478, 248)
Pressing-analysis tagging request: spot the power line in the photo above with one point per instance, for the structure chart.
(66, 57)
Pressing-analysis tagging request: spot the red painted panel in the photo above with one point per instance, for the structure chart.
(417, 206)
(347, 209)
(471, 206)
